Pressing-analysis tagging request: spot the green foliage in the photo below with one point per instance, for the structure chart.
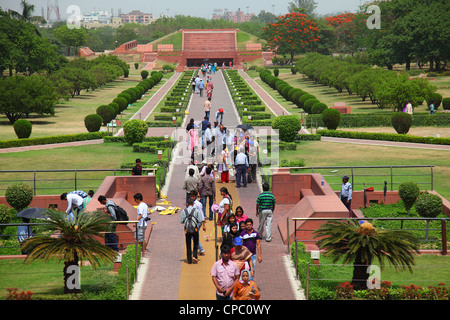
(401, 122)
(288, 127)
(135, 131)
(303, 98)
(168, 68)
(308, 104)
(446, 103)
(318, 108)
(106, 112)
(276, 72)
(331, 118)
(408, 192)
(144, 74)
(93, 122)
(19, 196)
(428, 205)
(437, 98)
(383, 136)
(22, 128)
(5, 216)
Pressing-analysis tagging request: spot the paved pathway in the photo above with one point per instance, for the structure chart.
(165, 274)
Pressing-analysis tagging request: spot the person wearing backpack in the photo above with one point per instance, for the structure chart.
(142, 217)
(192, 220)
(110, 237)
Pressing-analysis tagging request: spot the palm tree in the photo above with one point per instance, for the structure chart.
(362, 243)
(27, 14)
(77, 242)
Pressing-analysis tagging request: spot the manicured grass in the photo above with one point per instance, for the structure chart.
(321, 153)
(46, 279)
(101, 156)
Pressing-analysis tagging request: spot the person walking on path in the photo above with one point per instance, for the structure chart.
(208, 191)
(192, 220)
(265, 206)
(223, 165)
(246, 289)
(241, 166)
(225, 274)
(207, 107)
(219, 114)
(199, 207)
(209, 89)
(346, 193)
(142, 217)
(251, 239)
(191, 183)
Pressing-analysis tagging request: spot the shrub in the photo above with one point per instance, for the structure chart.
(168, 68)
(401, 122)
(106, 112)
(22, 128)
(331, 118)
(303, 98)
(408, 192)
(5, 216)
(437, 98)
(307, 105)
(294, 70)
(126, 96)
(318, 108)
(288, 127)
(144, 74)
(115, 106)
(122, 102)
(276, 72)
(19, 196)
(135, 131)
(296, 96)
(446, 103)
(93, 122)
(428, 205)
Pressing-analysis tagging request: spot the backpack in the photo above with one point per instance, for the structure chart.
(190, 223)
(121, 214)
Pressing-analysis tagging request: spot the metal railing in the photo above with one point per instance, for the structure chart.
(54, 183)
(391, 176)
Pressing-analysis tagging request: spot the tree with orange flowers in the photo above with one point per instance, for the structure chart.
(291, 34)
(349, 29)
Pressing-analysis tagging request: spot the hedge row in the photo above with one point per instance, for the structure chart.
(308, 102)
(51, 139)
(359, 120)
(176, 99)
(383, 136)
(246, 101)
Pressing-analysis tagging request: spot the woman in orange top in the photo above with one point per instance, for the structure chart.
(245, 289)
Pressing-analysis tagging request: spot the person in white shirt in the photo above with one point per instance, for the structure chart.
(209, 140)
(142, 217)
(346, 193)
(74, 203)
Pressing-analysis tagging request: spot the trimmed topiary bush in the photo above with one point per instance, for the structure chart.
(446, 103)
(135, 131)
(303, 98)
(126, 96)
(288, 127)
(296, 96)
(122, 102)
(22, 128)
(144, 74)
(19, 196)
(437, 98)
(106, 112)
(401, 122)
(318, 108)
(276, 72)
(408, 192)
(307, 106)
(428, 205)
(331, 118)
(93, 122)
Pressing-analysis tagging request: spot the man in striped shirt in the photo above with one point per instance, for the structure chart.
(265, 205)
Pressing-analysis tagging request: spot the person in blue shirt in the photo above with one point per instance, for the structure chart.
(346, 192)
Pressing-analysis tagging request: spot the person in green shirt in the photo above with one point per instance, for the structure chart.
(265, 206)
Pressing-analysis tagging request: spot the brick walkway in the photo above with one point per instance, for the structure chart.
(165, 265)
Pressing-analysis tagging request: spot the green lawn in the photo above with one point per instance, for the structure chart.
(320, 153)
(101, 156)
(46, 279)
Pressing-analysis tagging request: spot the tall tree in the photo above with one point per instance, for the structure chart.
(70, 37)
(303, 6)
(292, 34)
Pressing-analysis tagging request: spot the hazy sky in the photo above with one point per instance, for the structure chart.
(203, 8)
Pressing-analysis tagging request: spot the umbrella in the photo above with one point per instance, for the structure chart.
(245, 127)
(32, 213)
